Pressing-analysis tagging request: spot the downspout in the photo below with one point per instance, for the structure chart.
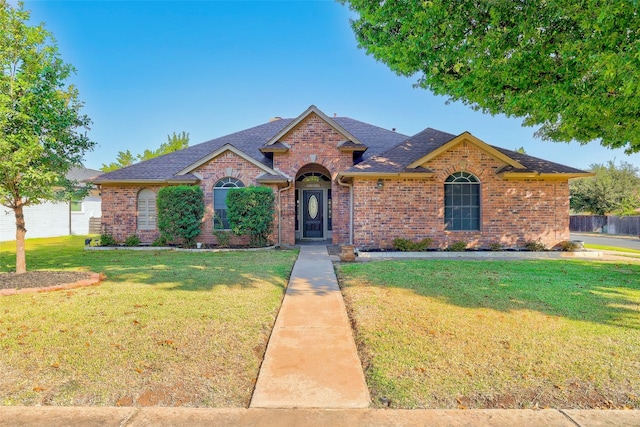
(280, 191)
(350, 186)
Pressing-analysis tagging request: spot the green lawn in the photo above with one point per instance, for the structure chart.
(611, 248)
(164, 328)
(515, 334)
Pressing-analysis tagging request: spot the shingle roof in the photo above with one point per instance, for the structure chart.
(534, 164)
(388, 152)
(396, 159)
(81, 174)
(249, 141)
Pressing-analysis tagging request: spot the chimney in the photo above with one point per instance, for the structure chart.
(275, 119)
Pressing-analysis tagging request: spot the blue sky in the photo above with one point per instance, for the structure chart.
(147, 69)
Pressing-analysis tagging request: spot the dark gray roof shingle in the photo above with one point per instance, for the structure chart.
(249, 141)
(396, 159)
(388, 152)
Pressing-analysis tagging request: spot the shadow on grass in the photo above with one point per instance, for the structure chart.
(589, 291)
(169, 270)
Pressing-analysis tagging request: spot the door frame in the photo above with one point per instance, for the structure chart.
(318, 186)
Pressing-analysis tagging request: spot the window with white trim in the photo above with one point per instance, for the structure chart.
(220, 191)
(462, 202)
(147, 209)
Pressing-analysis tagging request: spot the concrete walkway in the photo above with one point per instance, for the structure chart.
(311, 359)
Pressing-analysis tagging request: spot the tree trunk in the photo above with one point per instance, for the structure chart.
(21, 231)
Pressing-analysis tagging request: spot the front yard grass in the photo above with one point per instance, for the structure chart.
(495, 334)
(164, 328)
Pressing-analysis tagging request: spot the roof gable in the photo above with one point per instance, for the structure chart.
(466, 137)
(227, 147)
(349, 137)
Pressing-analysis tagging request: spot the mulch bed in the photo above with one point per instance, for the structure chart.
(46, 280)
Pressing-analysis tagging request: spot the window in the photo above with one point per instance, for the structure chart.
(462, 202)
(76, 207)
(220, 191)
(146, 210)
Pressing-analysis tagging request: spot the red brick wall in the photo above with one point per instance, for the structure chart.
(120, 212)
(119, 203)
(313, 141)
(512, 211)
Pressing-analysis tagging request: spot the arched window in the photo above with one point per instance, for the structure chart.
(220, 190)
(462, 202)
(146, 210)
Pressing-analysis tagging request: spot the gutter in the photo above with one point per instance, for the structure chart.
(350, 186)
(280, 191)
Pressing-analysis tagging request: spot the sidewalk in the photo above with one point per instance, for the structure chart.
(311, 359)
(20, 416)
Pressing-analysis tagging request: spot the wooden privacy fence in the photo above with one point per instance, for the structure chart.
(608, 224)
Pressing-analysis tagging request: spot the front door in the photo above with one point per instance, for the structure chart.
(312, 217)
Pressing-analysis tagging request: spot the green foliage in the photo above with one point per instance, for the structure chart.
(535, 246)
(250, 212)
(569, 67)
(159, 241)
(459, 246)
(223, 238)
(406, 245)
(174, 142)
(613, 189)
(42, 132)
(180, 211)
(496, 247)
(107, 239)
(125, 158)
(132, 240)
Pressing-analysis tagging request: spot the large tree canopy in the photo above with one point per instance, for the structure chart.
(42, 133)
(571, 67)
(615, 189)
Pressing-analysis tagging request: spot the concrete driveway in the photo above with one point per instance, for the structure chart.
(627, 242)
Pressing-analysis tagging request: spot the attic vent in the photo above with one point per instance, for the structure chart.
(275, 119)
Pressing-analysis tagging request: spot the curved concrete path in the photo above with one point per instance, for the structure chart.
(311, 359)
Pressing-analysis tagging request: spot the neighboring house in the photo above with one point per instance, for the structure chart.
(51, 219)
(346, 181)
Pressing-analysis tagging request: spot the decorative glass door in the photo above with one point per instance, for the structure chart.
(312, 216)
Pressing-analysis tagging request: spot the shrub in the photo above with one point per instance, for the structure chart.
(406, 245)
(534, 246)
(223, 237)
(159, 241)
(106, 237)
(568, 246)
(180, 212)
(132, 240)
(459, 246)
(496, 246)
(250, 212)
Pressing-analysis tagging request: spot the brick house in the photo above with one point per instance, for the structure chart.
(346, 181)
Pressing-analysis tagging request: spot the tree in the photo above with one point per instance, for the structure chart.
(570, 67)
(174, 142)
(42, 132)
(613, 189)
(125, 158)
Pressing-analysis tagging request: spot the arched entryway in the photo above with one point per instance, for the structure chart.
(313, 203)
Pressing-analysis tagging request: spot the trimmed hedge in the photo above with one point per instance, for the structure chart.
(250, 212)
(180, 212)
